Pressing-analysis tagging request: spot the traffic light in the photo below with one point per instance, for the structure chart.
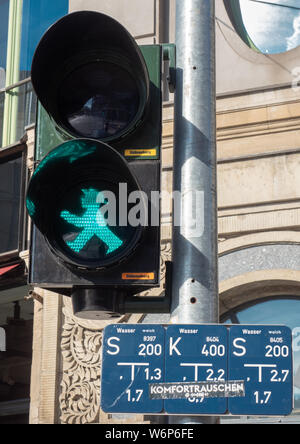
(96, 225)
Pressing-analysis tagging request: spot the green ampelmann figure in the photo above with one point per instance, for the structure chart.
(92, 222)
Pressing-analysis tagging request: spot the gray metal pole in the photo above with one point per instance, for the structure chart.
(195, 276)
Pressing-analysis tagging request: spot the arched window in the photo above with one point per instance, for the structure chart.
(283, 310)
(267, 26)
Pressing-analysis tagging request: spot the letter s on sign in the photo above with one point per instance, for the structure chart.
(241, 347)
(115, 346)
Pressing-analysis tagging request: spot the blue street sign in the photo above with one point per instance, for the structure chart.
(262, 357)
(133, 357)
(196, 353)
(197, 369)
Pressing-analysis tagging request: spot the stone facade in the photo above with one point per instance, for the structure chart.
(258, 133)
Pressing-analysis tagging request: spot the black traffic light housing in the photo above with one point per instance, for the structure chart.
(98, 129)
(84, 55)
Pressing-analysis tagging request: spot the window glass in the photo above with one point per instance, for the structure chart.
(285, 311)
(26, 112)
(269, 26)
(281, 311)
(10, 190)
(16, 318)
(4, 10)
(38, 16)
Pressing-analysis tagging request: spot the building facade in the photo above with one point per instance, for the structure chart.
(51, 370)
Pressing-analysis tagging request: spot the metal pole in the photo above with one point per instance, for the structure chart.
(195, 276)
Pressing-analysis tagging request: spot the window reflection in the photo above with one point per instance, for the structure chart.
(285, 311)
(10, 189)
(269, 26)
(26, 108)
(38, 16)
(4, 7)
(16, 318)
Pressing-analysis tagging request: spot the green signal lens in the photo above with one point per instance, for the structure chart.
(92, 223)
(87, 224)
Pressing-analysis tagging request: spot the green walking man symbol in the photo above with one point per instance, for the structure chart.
(92, 222)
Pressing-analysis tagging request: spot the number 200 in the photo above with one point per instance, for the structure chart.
(277, 351)
(150, 350)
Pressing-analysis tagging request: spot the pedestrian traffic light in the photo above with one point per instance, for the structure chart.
(96, 225)
(75, 200)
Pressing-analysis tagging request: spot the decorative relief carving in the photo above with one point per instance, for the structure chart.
(79, 401)
(81, 347)
(80, 385)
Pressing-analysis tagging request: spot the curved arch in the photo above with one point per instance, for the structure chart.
(256, 239)
(257, 285)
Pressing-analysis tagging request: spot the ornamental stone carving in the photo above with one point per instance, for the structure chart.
(80, 385)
